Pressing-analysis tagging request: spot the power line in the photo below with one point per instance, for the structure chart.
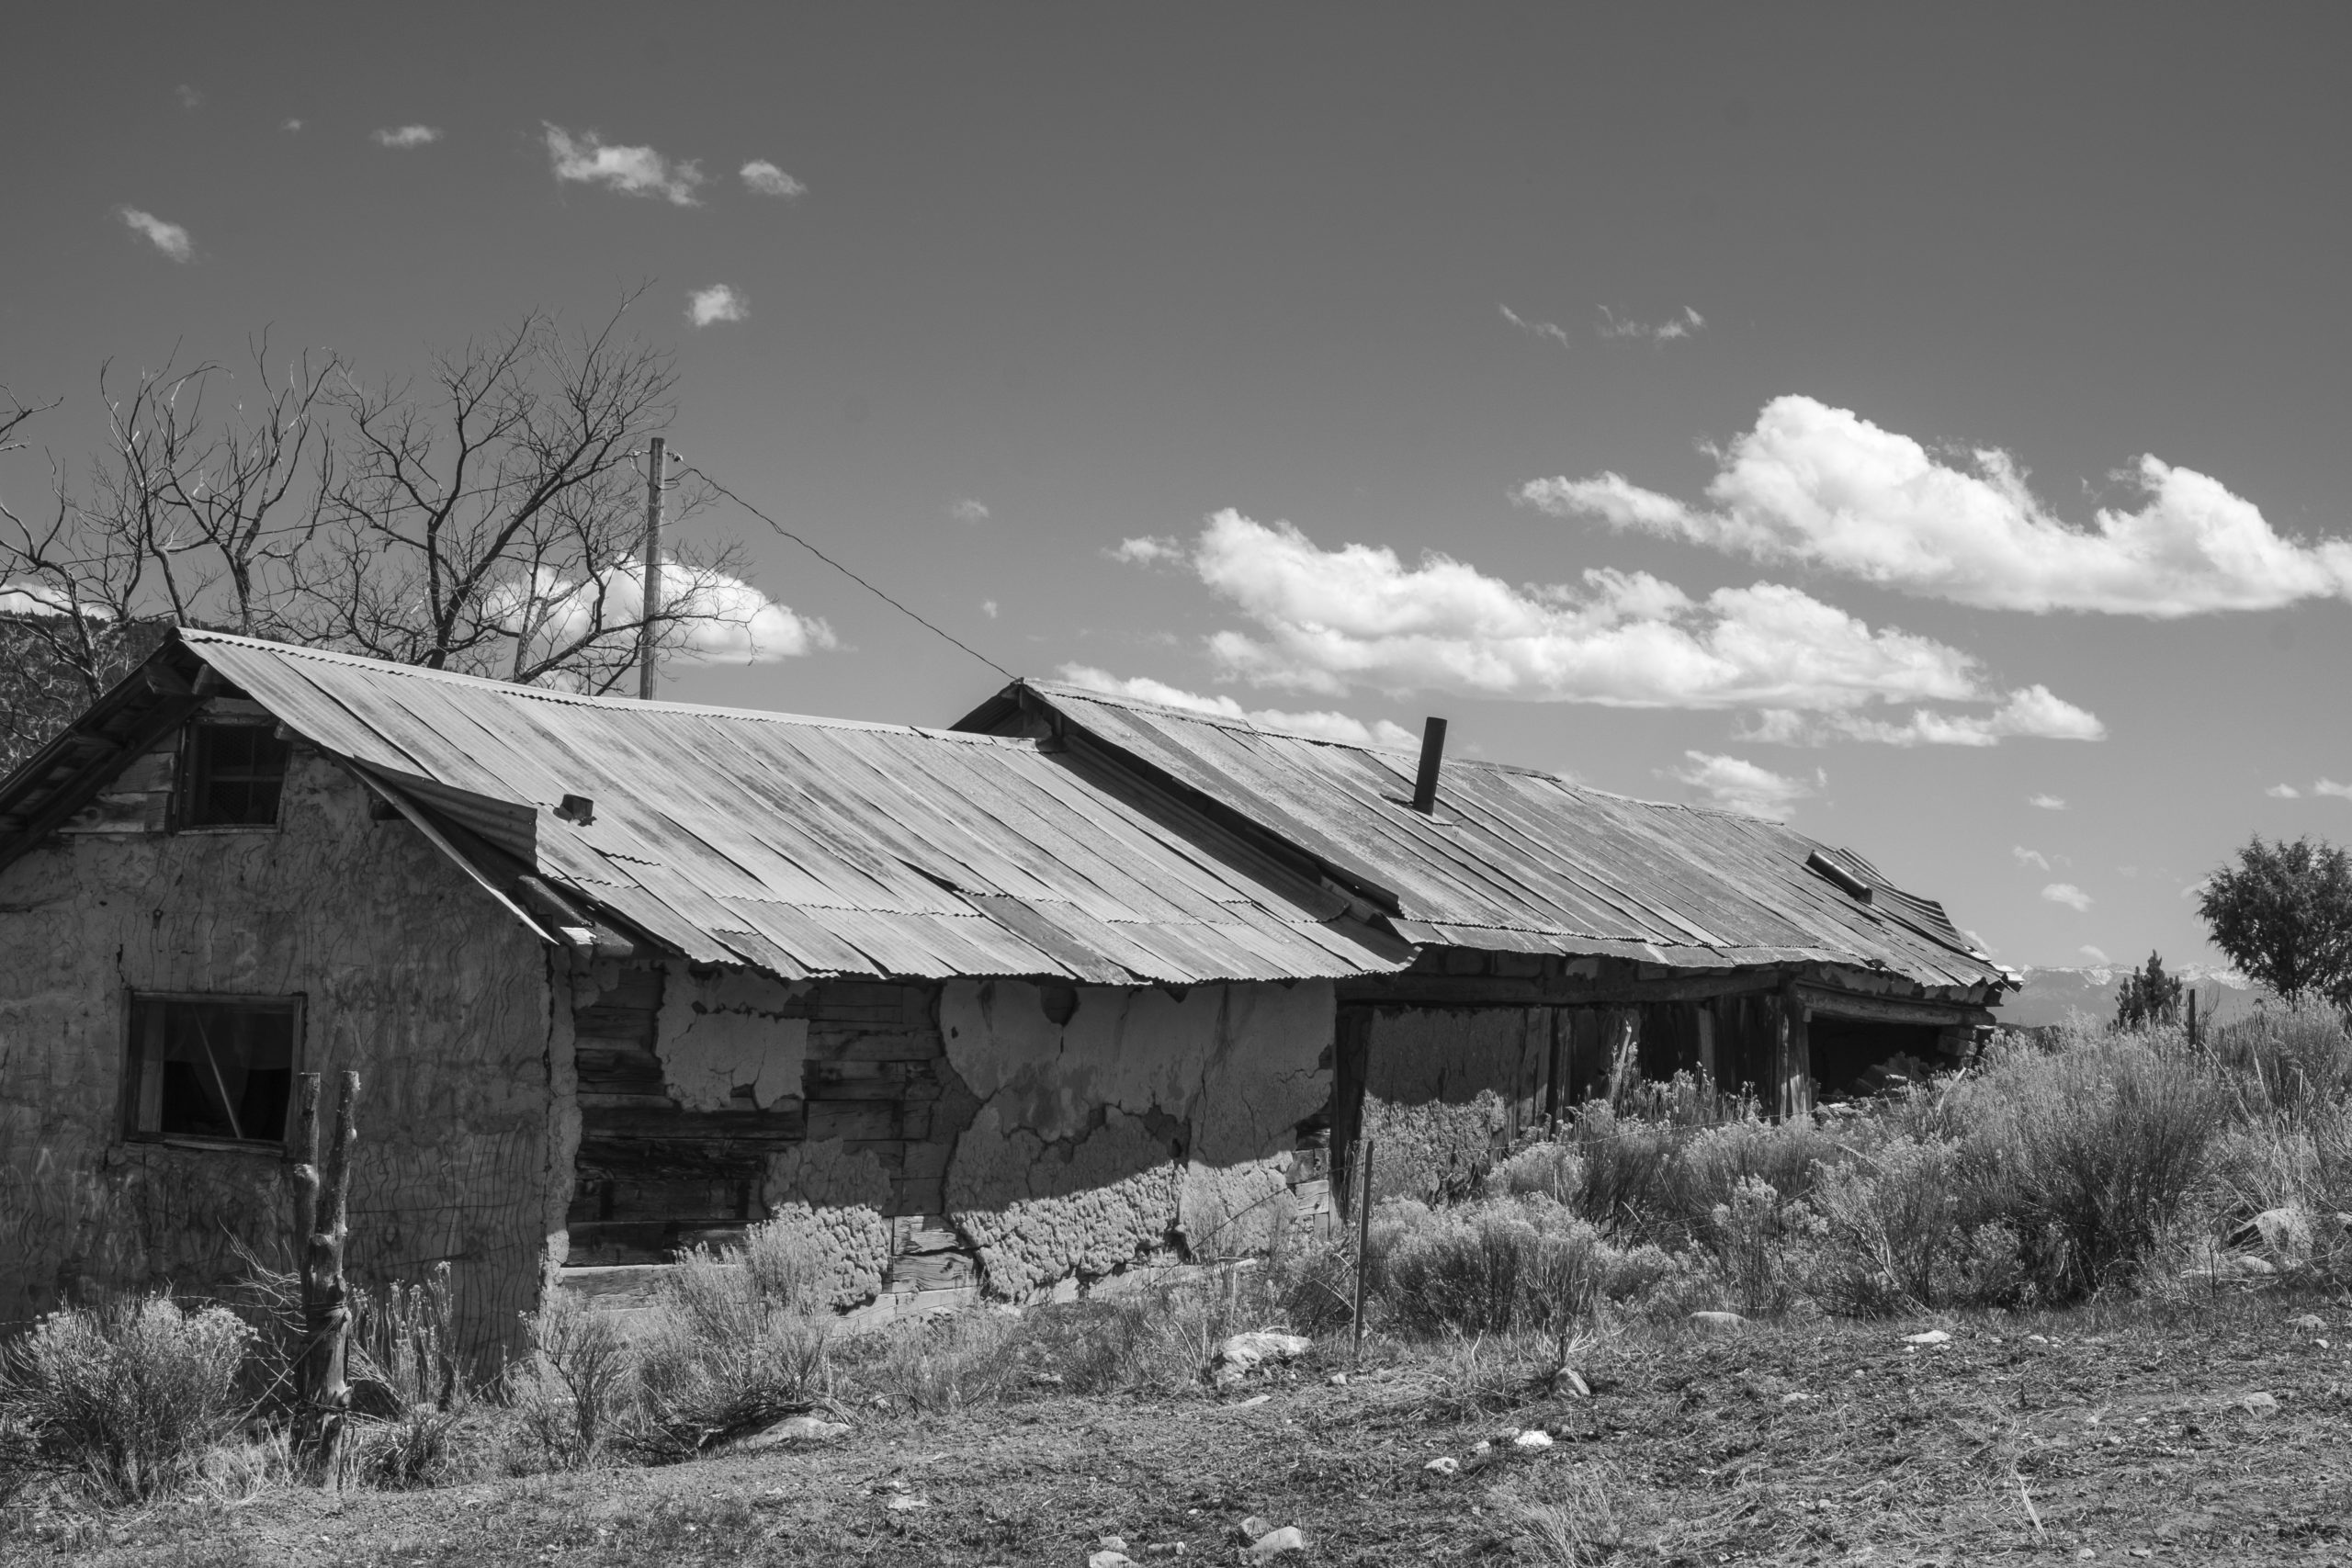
(851, 575)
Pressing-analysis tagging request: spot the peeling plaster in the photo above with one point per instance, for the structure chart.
(1145, 1118)
(719, 1032)
(834, 1198)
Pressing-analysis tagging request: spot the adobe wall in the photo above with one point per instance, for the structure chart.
(411, 975)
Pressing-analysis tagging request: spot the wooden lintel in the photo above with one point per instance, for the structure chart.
(1448, 990)
(1886, 1009)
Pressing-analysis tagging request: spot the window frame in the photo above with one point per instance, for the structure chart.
(127, 1130)
(186, 782)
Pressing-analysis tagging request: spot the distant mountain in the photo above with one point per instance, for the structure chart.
(2223, 995)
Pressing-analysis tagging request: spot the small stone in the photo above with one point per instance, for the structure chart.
(1567, 1380)
(1794, 1398)
(1338, 1380)
(1444, 1465)
(1164, 1549)
(2086, 1554)
(1244, 1353)
(1932, 1336)
(2039, 1339)
(1246, 1404)
(1253, 1526)
(904, 1505)
(1109, 1560)
(1113, 1543)
(2260, 1404)
(1481, 1447)
(1534, 1440)
(1717, 1320)
(1274, 1544)
(2310, 1323)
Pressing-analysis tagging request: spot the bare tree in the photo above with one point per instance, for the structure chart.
(485, 518)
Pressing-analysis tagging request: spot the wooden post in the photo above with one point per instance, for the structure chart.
(2192, 1017)
(648, 675)
(320, 1211)
(1364, 1241)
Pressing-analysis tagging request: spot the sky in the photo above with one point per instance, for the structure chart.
(1919, 422)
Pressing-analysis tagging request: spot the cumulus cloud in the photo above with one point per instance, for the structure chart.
(405, 136)
(2284, 791)
(765, 178)
(719, 302)
(1321, 724)
(28, 596)
(2033, 713)
(967, 510)
(728, 621)
(1151, 549)
(2329, 786)
(1734, 784)
(1824, 487)
(2046, 801)
(2096, 955)
(290, 125)
(988, 608)
(1612, 325)
(2066, 892)
(189, 96)
(2024, 856)
(1551, 330)
(1327, 620)
(588, 159)
(168, 238)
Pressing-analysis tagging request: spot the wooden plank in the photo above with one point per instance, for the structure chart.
(933, 1271)
(1434, 990)
(871, 1080)
(855, 1121)
(1886, 1009)
(784, 1119)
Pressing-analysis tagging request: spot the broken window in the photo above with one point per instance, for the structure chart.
(219, 1068)
(232, 775)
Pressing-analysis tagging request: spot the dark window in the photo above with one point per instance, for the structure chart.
(207, 1067)
(231, 776)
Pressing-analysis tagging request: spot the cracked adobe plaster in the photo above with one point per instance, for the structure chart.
(718, 1032)
(1145, 1114)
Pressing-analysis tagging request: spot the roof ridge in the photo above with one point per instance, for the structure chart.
(196, 636)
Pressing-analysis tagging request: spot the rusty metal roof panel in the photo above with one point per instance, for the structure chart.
(1517, 860)
(810, 846)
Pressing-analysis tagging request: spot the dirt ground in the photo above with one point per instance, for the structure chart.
(2209, 1435)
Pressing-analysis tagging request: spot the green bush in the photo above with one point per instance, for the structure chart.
(572, 1392)
(720, 1356)
(125, 1398)
(404, 1341)
(1484, 1267)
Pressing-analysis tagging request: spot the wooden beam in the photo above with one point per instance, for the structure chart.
(1450, 991)
(1886, 1009)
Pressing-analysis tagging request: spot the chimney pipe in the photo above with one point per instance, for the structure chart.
(1432, 753)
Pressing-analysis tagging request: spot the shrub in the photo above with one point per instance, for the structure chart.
(1752, 1234)
(569, 1393)
(1485, 1267)
(2086, 1152)
(2285, 1058)
(1663, 1180)
(721, 1356)
(405, 1343)
(951, 1362)
(1547, 1168)
(126, 1397)
(1905, 1229)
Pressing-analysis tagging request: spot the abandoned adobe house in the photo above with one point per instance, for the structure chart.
(1080, 984)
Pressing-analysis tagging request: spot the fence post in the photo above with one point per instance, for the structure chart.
(321, 1211)
(1363, 1242)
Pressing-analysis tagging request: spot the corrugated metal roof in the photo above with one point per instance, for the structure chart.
(809, 846)
(1516, 860)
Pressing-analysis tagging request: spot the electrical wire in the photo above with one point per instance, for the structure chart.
(846, 572)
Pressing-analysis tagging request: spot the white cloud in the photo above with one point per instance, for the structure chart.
(2031, 713)
(2329, 786)
(168, 238)
(733, 622)
(1322, 724)
(2096, 955)
(1732, 783)
(988, 608)
(1668, 331)
(22, 596)
(2024, 856)
(189, 96)
(1329, 619)
(1824, 487)
(967, 510)
(2066, 892)
(405, 136)
(291, 125)
(587, 159)
(719, 302)
(2284, 791)
(765, 179)
(1152, 549)
(2046, 801)
(1551, 330)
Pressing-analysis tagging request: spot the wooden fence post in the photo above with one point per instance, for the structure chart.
(1364, 1241)
(320, 1211)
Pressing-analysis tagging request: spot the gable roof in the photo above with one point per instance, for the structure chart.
(798, 846)
(1516, 860)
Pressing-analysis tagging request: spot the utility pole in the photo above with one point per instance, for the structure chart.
(649, 677)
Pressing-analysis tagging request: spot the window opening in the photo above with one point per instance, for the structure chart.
(205, 1068)
(233, 776)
